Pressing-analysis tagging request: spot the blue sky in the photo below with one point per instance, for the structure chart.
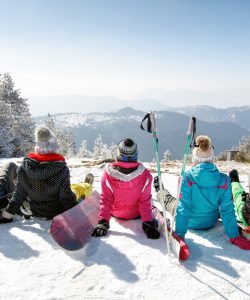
(129, 48)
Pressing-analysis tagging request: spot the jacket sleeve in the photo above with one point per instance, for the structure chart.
(183, 211)
(227, 212)
(145, 200)
(107, 199)
(66, 196)
(19, 195)
(237, 191)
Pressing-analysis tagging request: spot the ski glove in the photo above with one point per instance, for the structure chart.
(101, 229)
(241, 242)
(150, 230)
(4, 220)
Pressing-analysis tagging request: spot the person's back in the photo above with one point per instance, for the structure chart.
(126, 191)
(126, 186)
(127, 181)
(44, 179)
(45, 184)
(210, 198)
(205, 194)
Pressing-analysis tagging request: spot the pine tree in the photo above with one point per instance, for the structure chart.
(166, 156)
(49, 122)
(99, 148)
(65, 137)
(83, 151)
(6, 133)
(113, 151)
(243, 154)
(17, 121)
(66, 141)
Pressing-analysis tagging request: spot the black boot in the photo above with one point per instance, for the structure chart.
(156, 184)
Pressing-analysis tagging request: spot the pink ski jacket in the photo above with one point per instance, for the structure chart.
(126, 196)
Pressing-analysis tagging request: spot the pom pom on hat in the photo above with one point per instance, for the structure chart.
(203, 150)
(46, 141)
(127, 151)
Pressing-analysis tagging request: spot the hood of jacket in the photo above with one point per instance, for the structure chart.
(41, 170)
(125, 177)
(205, 174)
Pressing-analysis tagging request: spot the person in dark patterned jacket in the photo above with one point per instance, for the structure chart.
(43, 179)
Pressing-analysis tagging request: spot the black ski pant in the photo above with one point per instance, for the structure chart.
(8, 174)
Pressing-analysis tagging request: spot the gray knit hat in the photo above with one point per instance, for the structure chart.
(127, 151)
(46, 141)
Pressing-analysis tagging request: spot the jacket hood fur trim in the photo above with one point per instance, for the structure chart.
(124, 177)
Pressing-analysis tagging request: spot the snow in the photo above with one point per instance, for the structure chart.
(123, 265)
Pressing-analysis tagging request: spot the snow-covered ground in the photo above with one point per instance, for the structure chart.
(123, 265)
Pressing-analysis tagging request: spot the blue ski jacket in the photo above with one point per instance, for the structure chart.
(205, 194)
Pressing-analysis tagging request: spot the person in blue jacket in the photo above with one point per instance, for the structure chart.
(205, 195)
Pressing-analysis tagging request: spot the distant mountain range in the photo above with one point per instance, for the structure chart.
(224, 126)
(41, 105)
(238, 115)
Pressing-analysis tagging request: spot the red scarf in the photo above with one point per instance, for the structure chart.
(46, 157)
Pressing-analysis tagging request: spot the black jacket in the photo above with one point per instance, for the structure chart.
(46, 185)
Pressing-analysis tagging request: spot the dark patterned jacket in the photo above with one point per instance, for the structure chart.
(46, 185)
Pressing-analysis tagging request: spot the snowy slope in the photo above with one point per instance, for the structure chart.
(123, 265)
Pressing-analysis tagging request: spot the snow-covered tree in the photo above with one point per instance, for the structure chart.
(113, 151)
(166, 156)
(16, 120)
(67, 142)
(243, 154)
(100, 149)
(49, 122)
(6, 132)
(65, 137)
(83, 150)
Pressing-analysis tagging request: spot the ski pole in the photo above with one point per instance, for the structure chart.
(151, 127)
(190, 138)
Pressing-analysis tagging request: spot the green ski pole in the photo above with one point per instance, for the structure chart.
(189, 139)
(151, 127)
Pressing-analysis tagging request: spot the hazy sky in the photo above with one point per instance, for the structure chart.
(129, 48)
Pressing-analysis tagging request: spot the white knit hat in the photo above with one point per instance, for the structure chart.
(203, 150)
(46, 141)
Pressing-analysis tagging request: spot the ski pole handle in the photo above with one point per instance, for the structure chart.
(191, 127)
(152, 120)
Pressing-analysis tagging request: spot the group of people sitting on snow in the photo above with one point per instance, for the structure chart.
(41, 187)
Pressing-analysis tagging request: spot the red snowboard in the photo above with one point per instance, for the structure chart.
(73, 228)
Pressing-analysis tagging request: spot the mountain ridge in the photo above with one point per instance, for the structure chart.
(114, 126)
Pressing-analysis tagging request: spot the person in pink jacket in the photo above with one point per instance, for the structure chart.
(126, 191)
